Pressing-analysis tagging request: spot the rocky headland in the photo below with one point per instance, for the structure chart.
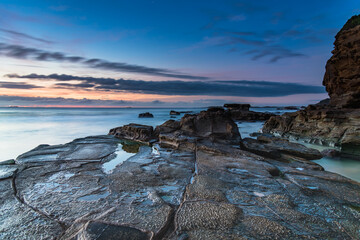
(336, 121)
(189, 179)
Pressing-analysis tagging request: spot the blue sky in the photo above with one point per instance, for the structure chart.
(188, 41)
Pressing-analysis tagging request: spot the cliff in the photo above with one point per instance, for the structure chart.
(342, 76)
(337, 121)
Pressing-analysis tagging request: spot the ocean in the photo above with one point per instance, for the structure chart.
(22, 129)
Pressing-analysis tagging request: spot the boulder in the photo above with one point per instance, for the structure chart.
(167, 127)
(172, 112)
(134, 132)
(146, 115)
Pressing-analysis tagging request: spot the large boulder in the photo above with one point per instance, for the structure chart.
(214, 124)
(134, 132)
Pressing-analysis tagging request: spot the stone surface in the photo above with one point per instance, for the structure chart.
(342, 76)
(209, 191)
(20, 221)
(84, 149)
(7, 171)
(135, 132)
(214, 124)
(274, 147)
(103, 231)
(320, 125)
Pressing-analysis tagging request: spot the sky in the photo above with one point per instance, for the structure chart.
(166, 53)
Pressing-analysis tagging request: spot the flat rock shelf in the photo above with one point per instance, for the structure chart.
(214, 190)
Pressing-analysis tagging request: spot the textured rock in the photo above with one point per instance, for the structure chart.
(320, 125)
(334, 122)
(134, 132)
(19, 221)
(168, 126)
(342, 76)
(212, 191)
(274, 147)
(215, 124)
(103, 231)
(7, 171)
(91, 149)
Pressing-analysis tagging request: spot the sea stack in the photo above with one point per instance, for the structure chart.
(335, 121)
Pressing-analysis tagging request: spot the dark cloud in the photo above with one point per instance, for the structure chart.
(239, 88)
(24, 35)
(274, 52)
(18, 85)
(22, 52)
(79, 85)
(268, 42)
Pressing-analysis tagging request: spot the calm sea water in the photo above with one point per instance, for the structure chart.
(22, 129)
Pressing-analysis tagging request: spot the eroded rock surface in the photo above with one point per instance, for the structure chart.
(342, 76)
(337, 121)
(135, 132)
(274, 147)
(206, 189)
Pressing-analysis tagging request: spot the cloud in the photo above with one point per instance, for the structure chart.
(17, 51)
(239, 88)
(24, 35)
(18, 85)
(276, 34)
(274, 52)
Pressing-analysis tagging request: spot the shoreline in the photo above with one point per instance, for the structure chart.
(195, 182)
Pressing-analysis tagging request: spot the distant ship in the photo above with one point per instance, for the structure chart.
(13, 106)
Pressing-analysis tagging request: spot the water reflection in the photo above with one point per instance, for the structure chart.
(125, 150)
